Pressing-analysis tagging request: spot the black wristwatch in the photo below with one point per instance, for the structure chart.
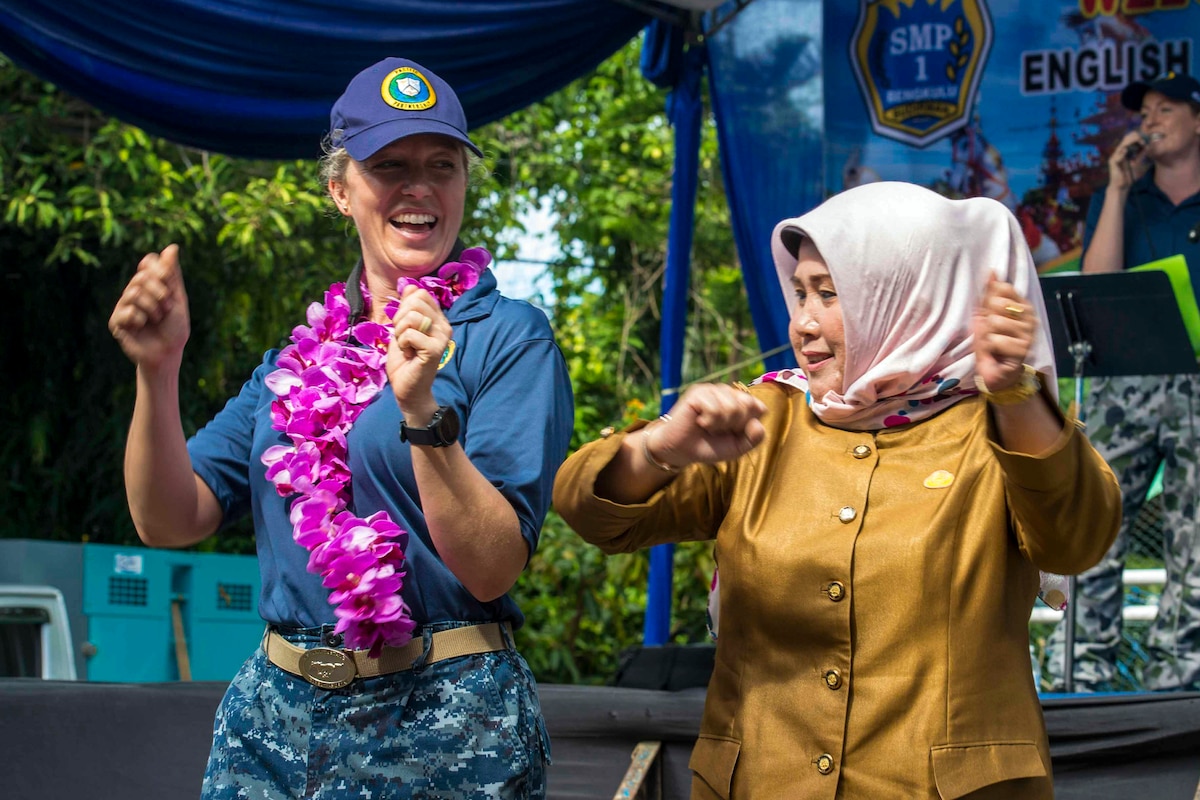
(442, 430)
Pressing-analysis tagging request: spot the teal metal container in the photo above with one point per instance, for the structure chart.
(166, 615)
(222, 621)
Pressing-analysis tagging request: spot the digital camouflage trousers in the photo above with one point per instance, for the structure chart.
(467, 727)
(1137, 423)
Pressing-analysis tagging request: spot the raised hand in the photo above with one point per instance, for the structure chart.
(420, 333)
(1128, 161)
(151, 320)
(708, 424)
(1005, 327)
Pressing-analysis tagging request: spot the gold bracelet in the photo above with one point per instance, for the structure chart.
(1029, 385)
(646, 450)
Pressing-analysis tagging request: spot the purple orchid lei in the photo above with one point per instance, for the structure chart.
(322, 383)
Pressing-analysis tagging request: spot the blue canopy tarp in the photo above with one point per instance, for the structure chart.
(256, 78)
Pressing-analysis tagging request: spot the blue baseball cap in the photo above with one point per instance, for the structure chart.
(1183, 88)
(393, 99)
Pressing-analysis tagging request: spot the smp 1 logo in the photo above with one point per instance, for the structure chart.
(918, 64)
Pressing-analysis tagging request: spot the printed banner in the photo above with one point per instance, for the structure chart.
(1018, 100)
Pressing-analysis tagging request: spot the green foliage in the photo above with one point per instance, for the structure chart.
(600, 155)
(584, 608)
(83, 197)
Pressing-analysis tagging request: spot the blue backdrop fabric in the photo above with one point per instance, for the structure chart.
(256, 78)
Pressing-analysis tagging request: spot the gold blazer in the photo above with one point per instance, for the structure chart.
(875, 596)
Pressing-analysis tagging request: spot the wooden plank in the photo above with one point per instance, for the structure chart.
(181, 650)
(640, 767)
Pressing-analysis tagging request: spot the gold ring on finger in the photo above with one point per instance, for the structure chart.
(1015, 311)
(426, 324)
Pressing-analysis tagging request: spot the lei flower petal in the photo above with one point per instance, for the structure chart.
(321, 383)
(453, 279)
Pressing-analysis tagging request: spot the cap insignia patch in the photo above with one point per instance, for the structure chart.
(407, 89)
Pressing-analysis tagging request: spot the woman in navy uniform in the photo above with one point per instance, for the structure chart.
(397, 469)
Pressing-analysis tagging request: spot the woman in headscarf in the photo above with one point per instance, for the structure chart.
(880, 519)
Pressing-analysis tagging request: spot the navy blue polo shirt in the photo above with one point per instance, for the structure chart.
(1154, 226)
(506, 378)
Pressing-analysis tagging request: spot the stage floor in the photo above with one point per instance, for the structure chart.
(114, 741)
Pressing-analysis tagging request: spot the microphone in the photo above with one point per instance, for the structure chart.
(1135, 149)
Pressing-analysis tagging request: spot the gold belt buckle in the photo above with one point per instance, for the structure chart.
(327, 668)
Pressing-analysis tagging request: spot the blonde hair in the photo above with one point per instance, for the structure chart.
(335, 159)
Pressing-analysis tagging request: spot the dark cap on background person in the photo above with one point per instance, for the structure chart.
(393, 99)
(1183, 88)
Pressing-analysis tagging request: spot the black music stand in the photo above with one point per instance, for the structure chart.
(1108, 324)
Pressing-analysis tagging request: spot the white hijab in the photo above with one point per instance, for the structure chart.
(910, 268)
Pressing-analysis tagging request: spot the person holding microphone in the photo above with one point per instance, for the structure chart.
(1149, 210)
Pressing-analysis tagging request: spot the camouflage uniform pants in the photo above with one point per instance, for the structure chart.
(1137, 423)
(467, 727)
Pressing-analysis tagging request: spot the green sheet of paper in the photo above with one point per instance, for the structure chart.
(1181, 282)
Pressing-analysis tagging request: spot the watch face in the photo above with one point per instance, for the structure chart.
(447, 425)
(442, 431)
